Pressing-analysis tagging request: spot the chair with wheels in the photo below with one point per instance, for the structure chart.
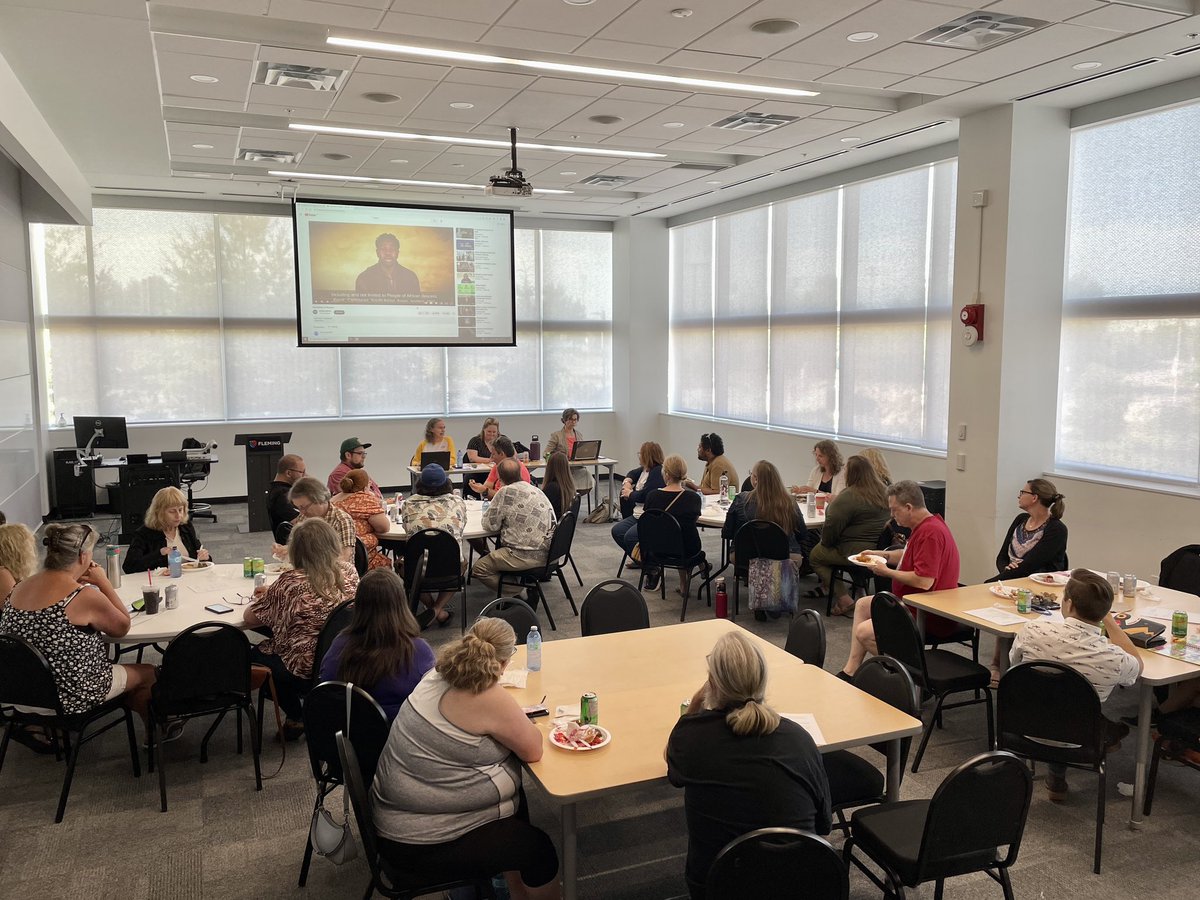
(383, 879)
(516, 612)
(661, 541)
(611, 606)
(190, 473)
(854, 781)
(324, 717)
(980, 807)
(938, 673)
(27, 680)
(205, 671)
(778, 862)
(806, 638)
(757, 539)
(1048, 701)
(443, 568)
(556, 558)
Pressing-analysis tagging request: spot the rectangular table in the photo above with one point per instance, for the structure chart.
(641, 677)
(483, 469)
(1158, 669)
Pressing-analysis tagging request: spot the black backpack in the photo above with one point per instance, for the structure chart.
(1180, 571)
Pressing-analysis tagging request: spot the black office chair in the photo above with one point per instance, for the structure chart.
(1180, 570)
(383, 878)
(757, 539)
(324, 717)
(1047, 701)
(556, 558)
(205, 671)
(854, 781)
(189, 474)
(27, 680)
(778, 862)
(938, 673)
(662, 546)
(611, 606)
(516, 612)
(980, 807)
(443, 569)
(806, 638)
(1183, 729)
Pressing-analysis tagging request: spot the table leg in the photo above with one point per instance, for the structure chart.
(612, 503)
(570, 862)
(1145, 698)
(892, 785)
(1004, 642)
(921, 618)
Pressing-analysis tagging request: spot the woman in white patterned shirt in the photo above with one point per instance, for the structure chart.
(435, 505)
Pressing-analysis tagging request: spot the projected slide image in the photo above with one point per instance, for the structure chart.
(354, 263)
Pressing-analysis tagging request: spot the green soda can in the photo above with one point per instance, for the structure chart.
(1179, 626)
(248, 567)
(683, 707)
(260, 566)
(1024, 595)
(589, 709)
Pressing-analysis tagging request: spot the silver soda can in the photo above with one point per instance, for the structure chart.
(260, 580)
(1114, 582)
(171, 596)
(1129, 586)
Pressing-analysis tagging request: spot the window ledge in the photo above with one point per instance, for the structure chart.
(1186, 491)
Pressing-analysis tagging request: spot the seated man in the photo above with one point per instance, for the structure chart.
(928, 562)
(354, 456)
(1077, 641)
(502, 449)
(712, 452)
(525, 520)
(311, 499)
(279, 507)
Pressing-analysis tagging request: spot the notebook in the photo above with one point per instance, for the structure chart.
(586, 450)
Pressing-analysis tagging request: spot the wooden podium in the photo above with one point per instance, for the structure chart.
(263, 452)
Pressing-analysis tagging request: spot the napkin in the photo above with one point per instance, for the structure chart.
(808, 722)
(514, 678)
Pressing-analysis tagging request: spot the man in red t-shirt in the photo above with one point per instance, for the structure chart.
(928, 562)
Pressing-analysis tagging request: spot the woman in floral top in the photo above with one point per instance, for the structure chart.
(435, 505)
(295, 607)
(366, 512)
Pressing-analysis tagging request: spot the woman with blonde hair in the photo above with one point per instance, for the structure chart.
(447, 794)
(436, 441)
(683, 505)
(740, 765)
(828, 475)
(853, 523)
(356, 499)
(18, 556)
(295, 607)
(166, 527)
(479, 448)
(878, 463)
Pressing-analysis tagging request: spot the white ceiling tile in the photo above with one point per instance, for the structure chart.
(721, 101)
(597, 48)
(1034, 49)
(486, 11)
(860, 78)
(181, 138)
(325, 13)
(411, 25)
(538, 109)
(892, 20)
(1128, 19)
(401, 68)
(175, 69)
(651, 21)
(460, 75)
(571, 86)
(735, 36)
(667, 178)
(648, 95)
(925, 84)
(486, 99)
(283, 98)
(793, 135)
(1051, 10)
(265, 137)
(250, 7)
(638, 167)
(693, 118)
(201, 46)
(705, 61)
(629, 111)
(316, 58)
(529, 40)
(911, 59)
(780, 68)
(841, 114)
(554, 15)
(410, 91)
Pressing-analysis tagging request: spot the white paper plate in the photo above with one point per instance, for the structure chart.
(855, 559)
(1054, 579)
(1008, 593)
(558, 730)
(277, 568)
(188, 567)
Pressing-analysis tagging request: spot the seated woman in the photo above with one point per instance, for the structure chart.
(642, 480)
(434, 504)
(564, 439)
(63, 611)
(379, 651)
(827, 476)
(166, 526)
(853, 522)
(312, 500)
(479, 451)
(558, 485)
(447, 794)
(295, 607)
(684, 506)
(436, 441)
(366, 511)
(18, 556)
(740, 765)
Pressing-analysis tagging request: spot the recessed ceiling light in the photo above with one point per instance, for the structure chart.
(604, 119)
(673, 124)
(861, 37)
(458, 165)
(851, 140)
(1085, 66)
(204, 79)
(579, 2)
(681, 13)
(202, 146)
(714, 182)
(398, 160)
(741, 87)
(775, 26)
(409, 181)
(568, 173)
(380, 97)
(336, 157)
(468, 141)
(462, 105)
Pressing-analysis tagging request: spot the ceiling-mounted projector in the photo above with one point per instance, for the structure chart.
(512, 182)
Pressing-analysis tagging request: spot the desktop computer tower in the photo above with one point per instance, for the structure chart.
(74, 496)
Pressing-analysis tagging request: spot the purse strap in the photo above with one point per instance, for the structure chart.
(678, 494)
(345, 788)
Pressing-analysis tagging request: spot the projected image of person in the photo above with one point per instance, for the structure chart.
(387, 276)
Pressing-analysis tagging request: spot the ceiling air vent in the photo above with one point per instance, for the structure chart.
(309, 78)
(1120, 70)
(753, 121)
(979, 31)
(268, 156)
(608, 181)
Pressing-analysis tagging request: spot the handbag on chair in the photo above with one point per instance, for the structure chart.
(773, 585)
(329, 839)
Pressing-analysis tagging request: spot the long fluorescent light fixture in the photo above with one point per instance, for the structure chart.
(571, 68)
(472, 142)
(407, 181)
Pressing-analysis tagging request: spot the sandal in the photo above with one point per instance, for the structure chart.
(34, 738)
(845, 611)
(443, 622)
(995, 682)
(814, 594)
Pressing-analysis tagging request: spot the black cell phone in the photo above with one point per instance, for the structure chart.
(219, 608)
(536, 712)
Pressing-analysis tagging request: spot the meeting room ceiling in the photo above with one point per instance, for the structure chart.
(663, 105)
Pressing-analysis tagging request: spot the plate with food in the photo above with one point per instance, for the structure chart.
(277, 568)
(1003, 590)
(867, 559)
(578, 738)
(189, 566)
(1058, 579)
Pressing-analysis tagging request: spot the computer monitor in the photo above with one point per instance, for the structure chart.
(113, 435)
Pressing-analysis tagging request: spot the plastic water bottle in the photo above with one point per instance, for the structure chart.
(175, 563)
(533, 650)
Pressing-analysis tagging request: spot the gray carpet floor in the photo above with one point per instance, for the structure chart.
(221, 839)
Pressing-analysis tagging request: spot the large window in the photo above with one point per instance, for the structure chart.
(829, 313)
(1129, 380)
(179, 316)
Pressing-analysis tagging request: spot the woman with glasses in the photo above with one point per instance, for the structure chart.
(565, 439)
(166, 527)
(436, 441)
(828, 475)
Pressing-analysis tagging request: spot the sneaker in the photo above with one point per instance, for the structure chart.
(174, 733)
(1056, 787)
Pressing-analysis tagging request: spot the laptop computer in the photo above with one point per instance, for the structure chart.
(586, 450)
(441, 457)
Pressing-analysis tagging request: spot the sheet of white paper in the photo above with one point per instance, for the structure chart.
(567, 711)
(997, 616)
(514, 678)
(808, 722)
